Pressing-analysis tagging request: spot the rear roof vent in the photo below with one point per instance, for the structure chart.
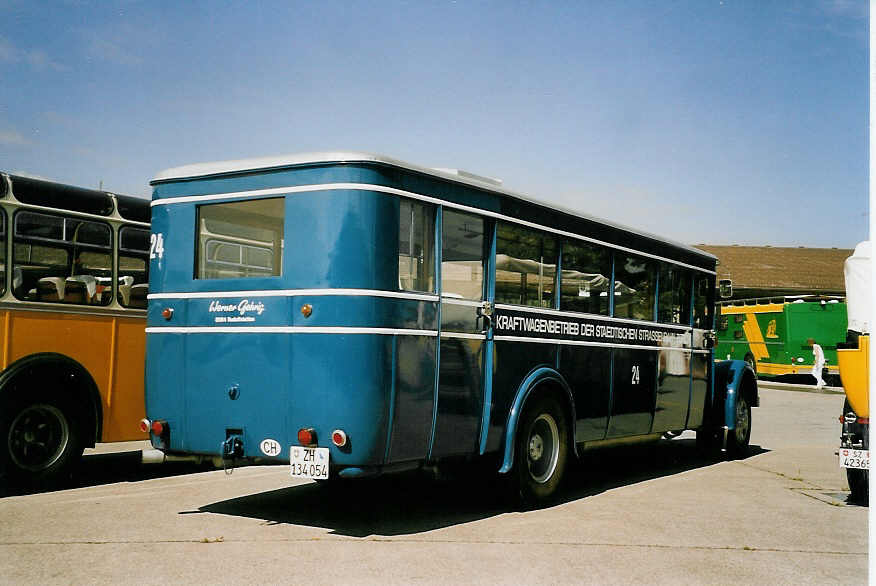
(469, 176)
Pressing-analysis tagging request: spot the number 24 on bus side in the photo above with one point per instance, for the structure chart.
(309, 462)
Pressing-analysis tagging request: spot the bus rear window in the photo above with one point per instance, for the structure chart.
(240, 239)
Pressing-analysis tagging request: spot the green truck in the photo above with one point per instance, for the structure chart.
(775, 335)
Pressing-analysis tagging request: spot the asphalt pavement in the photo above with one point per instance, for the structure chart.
(650, 515)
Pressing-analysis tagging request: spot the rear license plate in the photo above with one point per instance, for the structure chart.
(854, 458)
(309, 462)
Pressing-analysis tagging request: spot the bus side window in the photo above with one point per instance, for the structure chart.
(61, 259)
(526, 266)
(703, 303)
(35, 258)
(586, 278)
(462, 255)
(416, 244)
(673, 303)
(634, 286)
(133, 283)
(90, 280)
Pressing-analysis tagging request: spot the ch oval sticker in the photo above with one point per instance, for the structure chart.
(270, 447)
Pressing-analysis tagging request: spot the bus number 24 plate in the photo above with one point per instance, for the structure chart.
(309, 462)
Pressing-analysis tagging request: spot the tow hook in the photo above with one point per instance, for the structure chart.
(232, 449)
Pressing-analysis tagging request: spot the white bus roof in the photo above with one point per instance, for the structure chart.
(218, 168)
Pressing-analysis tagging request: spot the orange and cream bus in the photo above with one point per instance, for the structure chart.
(73, 285)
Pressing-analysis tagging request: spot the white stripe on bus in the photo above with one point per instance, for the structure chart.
(463, 336)
(403, 295)
(585, 343)
(418, 196)
(286, 330)
(296, 293)
(389, 331)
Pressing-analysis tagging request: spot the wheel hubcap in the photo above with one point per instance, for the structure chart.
(536, 447)
(38, 436)
(544, 447)
(742, 422)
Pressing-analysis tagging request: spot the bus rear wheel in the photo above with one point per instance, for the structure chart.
(40, 442)
(541, 450)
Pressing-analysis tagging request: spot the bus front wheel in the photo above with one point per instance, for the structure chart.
(739, 438)
(541, 449)
(40, 441)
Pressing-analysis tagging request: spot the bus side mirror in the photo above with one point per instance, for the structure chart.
(725, 288)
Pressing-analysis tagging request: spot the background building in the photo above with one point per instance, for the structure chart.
(772, 271)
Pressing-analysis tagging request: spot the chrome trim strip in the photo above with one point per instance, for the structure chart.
(254, 193)
(597, 344)
(464, 336)
(412, 195)
(455, 301)
(286, 330)
(295, 293)
(95, 310)
(595, 316)
(116, 218)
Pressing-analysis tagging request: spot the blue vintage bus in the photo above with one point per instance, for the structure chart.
(350, 314)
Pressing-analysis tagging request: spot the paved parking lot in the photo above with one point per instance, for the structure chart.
(648, 515)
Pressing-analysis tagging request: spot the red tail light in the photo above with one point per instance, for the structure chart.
(339, 438)
(307, 436)
(159, 427)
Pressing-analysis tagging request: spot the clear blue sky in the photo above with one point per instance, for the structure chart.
(703, 121)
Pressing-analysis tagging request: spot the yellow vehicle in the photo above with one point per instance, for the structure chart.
(73, 285)
(854, 365)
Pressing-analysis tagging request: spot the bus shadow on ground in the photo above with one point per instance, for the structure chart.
(110, 468)
(413, 503)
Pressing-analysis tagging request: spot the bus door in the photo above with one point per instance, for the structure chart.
(702, 359)
(463, 363)
(674, 357)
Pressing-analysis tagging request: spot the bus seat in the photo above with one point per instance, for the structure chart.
(125, 295)
(104, 290)
(51, 289)
(80, 289)
(17, 280)
(138, 295)
(125, 283)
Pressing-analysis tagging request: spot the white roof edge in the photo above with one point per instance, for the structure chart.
(198, 170)
(279, 161)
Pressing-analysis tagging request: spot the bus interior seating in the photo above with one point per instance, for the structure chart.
(138, 296)
(125, 282)
(80, 289)
(17, 280)
(51, 289)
